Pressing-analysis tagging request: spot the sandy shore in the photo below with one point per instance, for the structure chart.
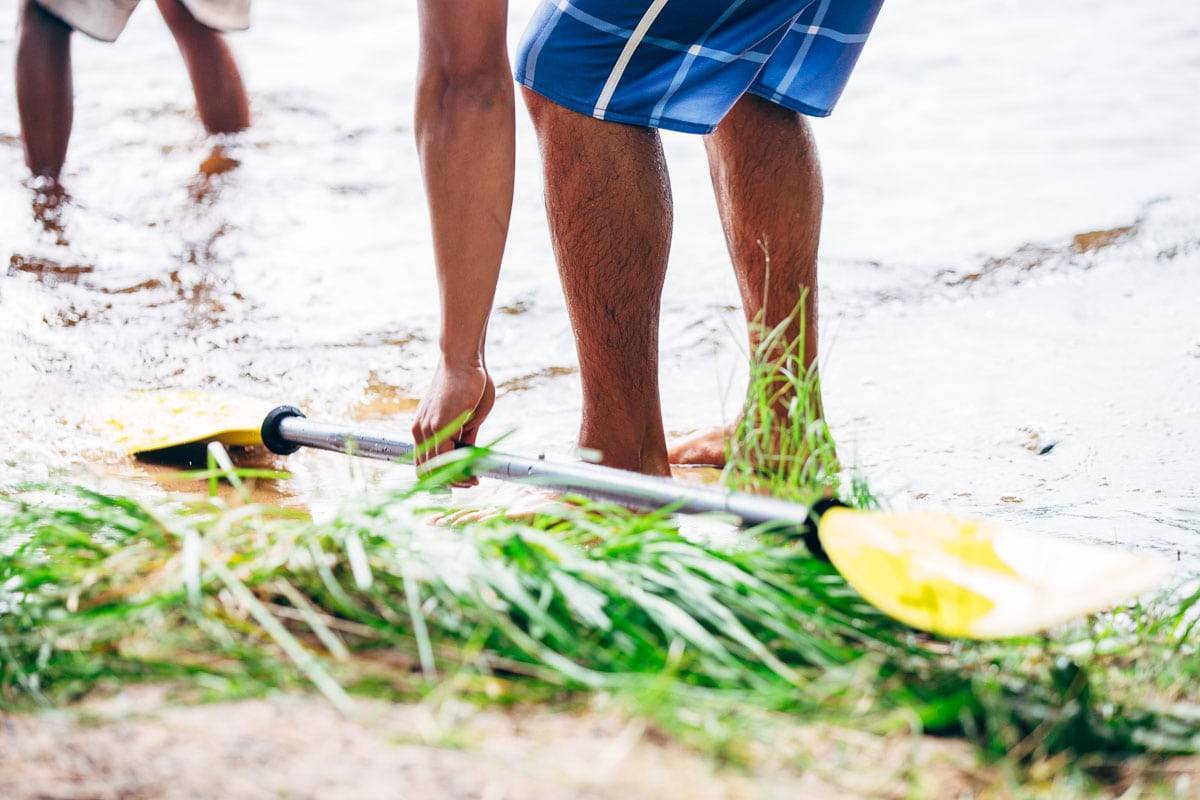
(134, 745)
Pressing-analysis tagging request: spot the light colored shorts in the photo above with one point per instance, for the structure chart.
(682, 64)
(105, 19)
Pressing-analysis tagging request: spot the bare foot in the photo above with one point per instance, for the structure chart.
(50, 200)
(704, 448)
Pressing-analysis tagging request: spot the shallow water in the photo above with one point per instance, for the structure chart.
(1011, 258)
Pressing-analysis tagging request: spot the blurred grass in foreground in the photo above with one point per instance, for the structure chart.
(711, 640)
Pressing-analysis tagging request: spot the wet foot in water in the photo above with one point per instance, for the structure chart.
(704, 448)
(49, 202)
(207, 176)
(710, 448)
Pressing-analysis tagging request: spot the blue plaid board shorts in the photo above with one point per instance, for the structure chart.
(682, 64)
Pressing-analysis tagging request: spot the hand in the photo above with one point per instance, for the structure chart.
(455, 390)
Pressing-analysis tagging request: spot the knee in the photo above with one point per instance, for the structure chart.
(452, 95)
(475, 76)
(469, 86)
(753, 114)
(553, 119)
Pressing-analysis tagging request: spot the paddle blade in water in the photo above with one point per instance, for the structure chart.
(143, 422)
(966, 578)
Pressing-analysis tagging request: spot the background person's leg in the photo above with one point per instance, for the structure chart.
(44, 91)
(767, 179)
(220, 95)
(608, 199)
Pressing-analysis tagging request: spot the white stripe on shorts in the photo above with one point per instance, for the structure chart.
(614, 77)
(794, 69)
(536, 50)
(686, 65)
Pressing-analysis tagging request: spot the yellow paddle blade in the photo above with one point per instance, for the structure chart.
(966, 578)
(142, 422)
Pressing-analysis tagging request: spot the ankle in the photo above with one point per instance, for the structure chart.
(644, 453)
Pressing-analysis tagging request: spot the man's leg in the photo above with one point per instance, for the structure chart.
(44, 93)
(608, 199)
(220, 95)
(767, 179)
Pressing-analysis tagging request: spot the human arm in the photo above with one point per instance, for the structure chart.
(465, 130)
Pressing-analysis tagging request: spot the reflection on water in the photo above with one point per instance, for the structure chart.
(47, 272)
(1010, 260)
(381, 400)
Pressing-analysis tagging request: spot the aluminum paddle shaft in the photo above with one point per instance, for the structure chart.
(286, 429)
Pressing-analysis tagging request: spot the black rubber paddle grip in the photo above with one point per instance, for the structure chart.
(811, 535)
(270, 430)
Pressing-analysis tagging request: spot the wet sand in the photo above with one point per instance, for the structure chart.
(297, 747)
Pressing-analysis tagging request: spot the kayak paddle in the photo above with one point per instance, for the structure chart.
(932, 571)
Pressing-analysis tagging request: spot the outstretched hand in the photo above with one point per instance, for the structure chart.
(455, 392)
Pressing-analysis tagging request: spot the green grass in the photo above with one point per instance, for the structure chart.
(711, 641)
(781, 445)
